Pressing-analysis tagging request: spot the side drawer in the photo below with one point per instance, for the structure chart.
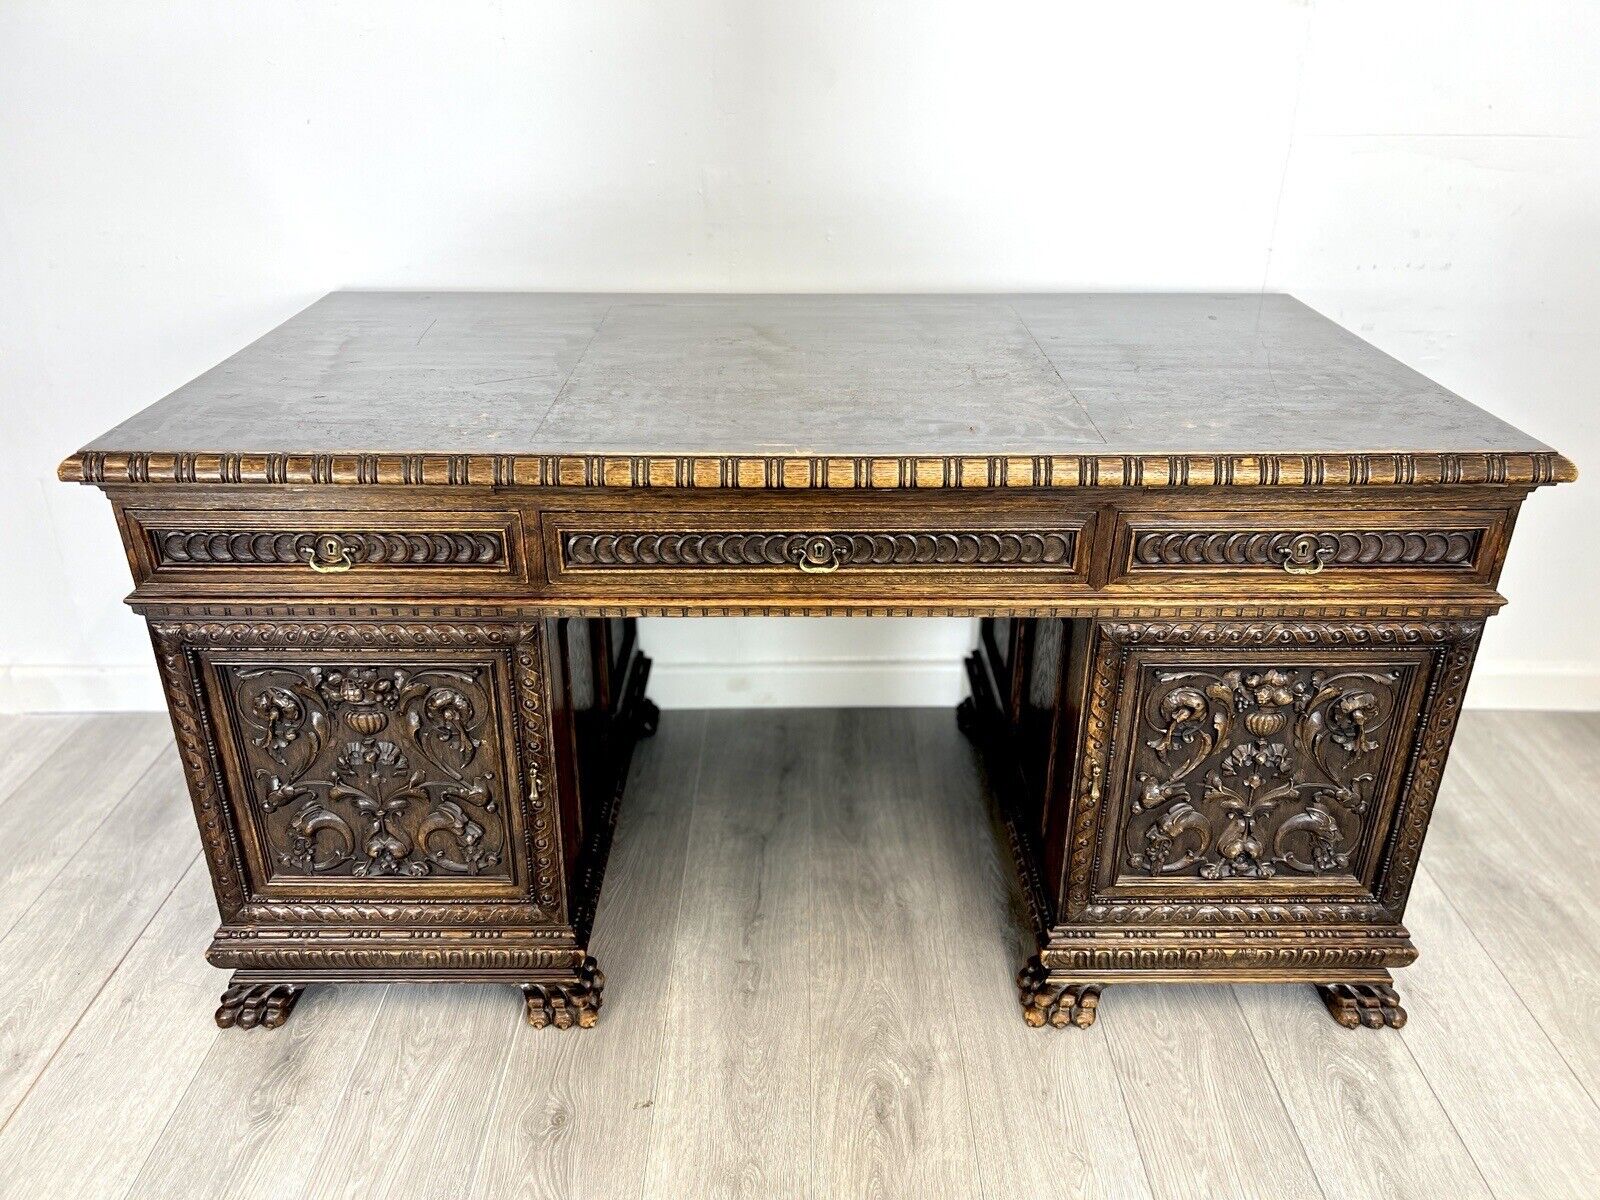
(760, 553)
(328, 551)
(1287, 548)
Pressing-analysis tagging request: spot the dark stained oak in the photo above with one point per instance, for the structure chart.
(1233, 564)
(838, 391)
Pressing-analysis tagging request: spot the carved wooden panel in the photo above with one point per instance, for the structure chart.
(1259, 772)
(360, 769)
(632, 550)
(1312, 548)
(189, 547)
(355, 774)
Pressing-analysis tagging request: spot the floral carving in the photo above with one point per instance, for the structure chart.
(1250, 772)
(367, 770)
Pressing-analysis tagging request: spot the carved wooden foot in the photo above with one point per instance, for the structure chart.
(967, 717)
(1371, 1004)
(566, 1004)
(248, 1004)
(646, 717)
(1056, 1004)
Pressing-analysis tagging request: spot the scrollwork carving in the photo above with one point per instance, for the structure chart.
(394, 752)
(1252, 771)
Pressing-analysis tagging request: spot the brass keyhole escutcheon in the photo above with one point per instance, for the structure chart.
(330, 556)
(1305, 555)
(819, 556)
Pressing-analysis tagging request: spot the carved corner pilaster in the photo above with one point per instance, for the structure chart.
(564, 1004)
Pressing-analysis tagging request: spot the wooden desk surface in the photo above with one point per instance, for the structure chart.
(880, 391)
(1216, 719)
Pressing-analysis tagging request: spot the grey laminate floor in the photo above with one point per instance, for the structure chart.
(808, 941)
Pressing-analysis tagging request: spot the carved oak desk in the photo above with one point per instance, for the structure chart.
(1232, 561)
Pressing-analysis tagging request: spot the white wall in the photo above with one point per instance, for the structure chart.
(177, 177)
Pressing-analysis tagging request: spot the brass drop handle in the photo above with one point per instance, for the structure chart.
(1305, 555)
(329, 556)
(819, 556)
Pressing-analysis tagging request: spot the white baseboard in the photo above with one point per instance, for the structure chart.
(33, 689)
(862, 683)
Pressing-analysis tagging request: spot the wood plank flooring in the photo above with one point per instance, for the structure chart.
(808, 933)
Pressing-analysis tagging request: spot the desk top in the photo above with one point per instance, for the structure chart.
(813, 391)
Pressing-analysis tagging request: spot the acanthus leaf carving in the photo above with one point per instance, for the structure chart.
(407, 770)
(1245, 768)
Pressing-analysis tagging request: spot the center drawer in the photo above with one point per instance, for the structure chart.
(757, 553)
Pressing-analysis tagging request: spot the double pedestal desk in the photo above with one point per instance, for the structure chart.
(1232, 565)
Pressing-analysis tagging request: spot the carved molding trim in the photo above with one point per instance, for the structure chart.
(397, 959)
(1264, 634)
(180, 678)
(1224, 958)
(1308, 910)
(1420, 787)
(889, 550)
(235, 547)
(1171, 549)
(230, 612)
(1533, 469)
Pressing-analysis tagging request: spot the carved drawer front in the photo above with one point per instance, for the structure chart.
(758, 554)
(360, 764)
(1274, 771)
(1289, 548)
(330, 552)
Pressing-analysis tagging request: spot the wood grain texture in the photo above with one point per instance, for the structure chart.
(60, 951)
(76, 791)
(277, 1096)
(886, 1064)
(812, 391)
(1517, 1105)
(137, 1079)
(128, 1094)
(412, 1115)
(1510, 794)
(574, 1116)
(28, 741)
(1063, 1090)
(733, 1110)
(1369, 1121)
(1207, 1117)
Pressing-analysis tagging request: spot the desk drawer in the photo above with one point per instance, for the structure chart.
(1286, 547)
(745, 553)
(330, 551)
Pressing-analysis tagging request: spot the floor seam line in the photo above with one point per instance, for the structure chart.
(1283, 1105)
(672, 961)
(95, 999)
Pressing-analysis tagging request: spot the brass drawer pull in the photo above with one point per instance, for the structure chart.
(1305, 555)
(329, 556)
(819, 556)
